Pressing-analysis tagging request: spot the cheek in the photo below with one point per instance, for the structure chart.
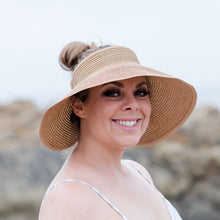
(146, 105)
(107, 108)
(146, 109)
(99, 112)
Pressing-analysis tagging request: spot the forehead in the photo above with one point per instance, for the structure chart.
(140, 80)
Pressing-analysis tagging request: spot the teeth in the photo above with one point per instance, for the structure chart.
(127, 123)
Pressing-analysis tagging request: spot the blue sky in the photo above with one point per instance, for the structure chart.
(181, 38)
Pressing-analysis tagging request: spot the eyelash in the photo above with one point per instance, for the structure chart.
(114, 93)
(143, 91)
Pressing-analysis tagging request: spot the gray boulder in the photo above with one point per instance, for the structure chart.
(185, 167)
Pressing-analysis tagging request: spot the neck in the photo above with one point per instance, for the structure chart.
(102, 157)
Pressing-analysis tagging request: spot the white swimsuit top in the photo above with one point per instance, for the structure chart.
(172, 211)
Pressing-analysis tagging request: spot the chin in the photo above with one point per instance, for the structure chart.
(129, 142)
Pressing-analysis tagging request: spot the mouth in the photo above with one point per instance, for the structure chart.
(126, 123)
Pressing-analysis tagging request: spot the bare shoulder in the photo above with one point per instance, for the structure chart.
(67, 201)
(141, 168)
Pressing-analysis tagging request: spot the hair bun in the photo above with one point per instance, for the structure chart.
(71, 53)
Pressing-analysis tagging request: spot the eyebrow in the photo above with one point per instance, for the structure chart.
(141, 84)
(122, 86)
(115, 83)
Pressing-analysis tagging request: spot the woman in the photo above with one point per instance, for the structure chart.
(115, 103)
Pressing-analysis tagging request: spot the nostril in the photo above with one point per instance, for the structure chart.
(128, 108)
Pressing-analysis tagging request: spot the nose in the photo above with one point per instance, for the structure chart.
(130, 103)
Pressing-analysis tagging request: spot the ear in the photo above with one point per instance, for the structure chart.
(78, 108)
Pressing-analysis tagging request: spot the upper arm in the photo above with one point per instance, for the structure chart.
(66, 201)
(142, 169)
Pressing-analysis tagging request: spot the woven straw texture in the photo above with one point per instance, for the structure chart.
(172, 99)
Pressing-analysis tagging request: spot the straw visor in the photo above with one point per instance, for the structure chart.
(172, 100)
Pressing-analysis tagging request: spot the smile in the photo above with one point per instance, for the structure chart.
(126, 123)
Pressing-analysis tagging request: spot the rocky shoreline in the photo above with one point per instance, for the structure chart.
(185, 167)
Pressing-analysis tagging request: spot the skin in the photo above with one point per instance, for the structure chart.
(97, 159)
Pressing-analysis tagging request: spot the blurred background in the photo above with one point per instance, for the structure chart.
(180, 38)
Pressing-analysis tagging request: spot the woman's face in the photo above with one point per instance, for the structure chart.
(117, 113)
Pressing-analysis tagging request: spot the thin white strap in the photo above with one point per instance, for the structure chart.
(90, 186)
(174, 215)
(133, 165)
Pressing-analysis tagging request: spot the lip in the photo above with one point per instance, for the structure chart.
(126, 119)
(126, 128)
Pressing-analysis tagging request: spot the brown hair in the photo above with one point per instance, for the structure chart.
(74, 52)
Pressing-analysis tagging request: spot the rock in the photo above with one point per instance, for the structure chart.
(185, 167)
(27, 167)
(19, 123)
(203, 200)
(202, 128)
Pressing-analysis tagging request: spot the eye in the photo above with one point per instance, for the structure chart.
(112, 93)
(141, 93)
